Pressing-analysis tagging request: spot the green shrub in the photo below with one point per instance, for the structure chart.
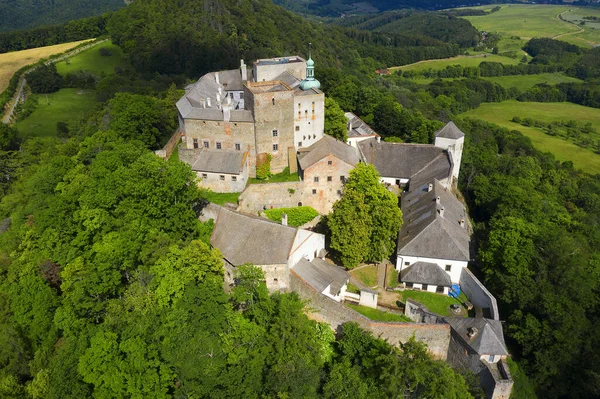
(263, 171)
(296, 216)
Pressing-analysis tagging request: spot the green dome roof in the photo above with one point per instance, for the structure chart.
(308, 84)
(310, 62)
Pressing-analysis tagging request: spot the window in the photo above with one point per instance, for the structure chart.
(275, 147)
(297, 128)
(439, 289)
(313, 112)
(424, 287)
(204, 175)
(273, 100)
(316, 179)
(238, 147)
(314, 136)
(491, 359)
(275, 133)
(329, 178)
(303, 137)
(195, 143)
(406, 263)
(241, 95)
(329, 162)
(299, 144)
(409, 285)
(306, 112)
(314, 191)
(298, 105)
(448, 268)
(221, 177)
(299, 114)
(313, 105)
(233, 178)
(343, 178)
(205, 143)
(218, 145)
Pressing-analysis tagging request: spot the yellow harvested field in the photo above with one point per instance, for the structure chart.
(13, 61)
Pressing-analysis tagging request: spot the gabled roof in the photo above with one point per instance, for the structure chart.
(426, 232)
(400, 160)
(450, 131)
(425, 273)
(320, 274)
(358, 128)
(309, 156)
(248, 239)
(219, 161)
(489, 339)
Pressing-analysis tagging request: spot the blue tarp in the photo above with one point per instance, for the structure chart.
(454, 291)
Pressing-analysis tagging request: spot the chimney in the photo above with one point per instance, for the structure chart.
(226, 113)
(472, 331)
(208, 101)
(217, 78)
(203, 103)
(462, 222)
(378, 139)
(219, 97)
(284, 219)
(437, 199)
(441, 212)
(244, 71)
(429, 188)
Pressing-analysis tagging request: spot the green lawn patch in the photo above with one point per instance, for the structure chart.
(524, 82)
(66, 105)
(437, 303)
(523, 388)
(378, 315)
(174, 155)
(391, 276)
(502, 113)
(92, 60)
(352, 288)
(221, 198)
(367, 275)
(284, 176)
(296, 216)
(462, 60)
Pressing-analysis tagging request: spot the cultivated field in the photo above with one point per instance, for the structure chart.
(91, 60)
(502, 113)
(66, 105)
(535, 20)
(13, 61)
(473, 60)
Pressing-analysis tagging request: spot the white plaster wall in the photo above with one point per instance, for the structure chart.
(311, 125)
(270, 72)
(213, 181)
(454, 274)
(455, 147)
(392, 180)
(430, 288)
(368, 299)
(237, 100)
(306, 245)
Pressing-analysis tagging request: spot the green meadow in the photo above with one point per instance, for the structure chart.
(92, 60)
(66, 105)
(502, 113)
(462, 60)
(524, 82)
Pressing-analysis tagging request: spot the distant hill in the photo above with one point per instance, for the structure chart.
(27, 14)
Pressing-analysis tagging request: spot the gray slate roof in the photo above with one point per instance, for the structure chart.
(425, 273)
(248, 239)
(425, 232)
(320, 274)
(489, 339)
(218, 161)
(358, 128)
(450, 131)
(400, 160)
(308, 156)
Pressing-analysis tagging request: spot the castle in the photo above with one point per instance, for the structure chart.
(267, 112)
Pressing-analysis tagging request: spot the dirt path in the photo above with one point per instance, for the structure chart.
(581, 30)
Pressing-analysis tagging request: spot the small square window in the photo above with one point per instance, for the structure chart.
(218, 146)
(314, 191)
(233, 178)
(439, 289)
(316, 179)
(297, 128)
(343, 178)
(406, 263)
(205, 143)
(204, 175)
(329, 178)
(275, 147)
(238, 146)
(299, 144)
(409, 285)
(448, 268)
(303, 137)
(298, 105)
(241, 95)
(424, 287)
(221, 177)
(329, 162)
(275, 133)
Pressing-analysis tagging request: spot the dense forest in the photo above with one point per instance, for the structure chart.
(109, 288)
(25, 14)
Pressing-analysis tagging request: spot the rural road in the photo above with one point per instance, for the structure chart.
(558, 16)
(20, 95)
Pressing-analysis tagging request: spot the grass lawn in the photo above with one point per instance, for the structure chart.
(278, 178)
(91, 60)
(437, 303)
(221, 198)
(392, 276)
(174, 155)
(367, 275)
(352, 288)
(502, 113)
(460, 60)
(524, 82)
(13, 61)
(378, 315)
(66, 105)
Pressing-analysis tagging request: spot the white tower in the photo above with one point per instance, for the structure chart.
(452, 139)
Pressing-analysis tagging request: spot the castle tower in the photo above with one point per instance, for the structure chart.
(452, 139)
(310, 82)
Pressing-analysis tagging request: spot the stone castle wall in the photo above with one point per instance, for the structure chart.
(435, 336)
(477, 293)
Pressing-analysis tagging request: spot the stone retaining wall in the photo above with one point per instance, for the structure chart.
(167, 150)
(477, 293)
